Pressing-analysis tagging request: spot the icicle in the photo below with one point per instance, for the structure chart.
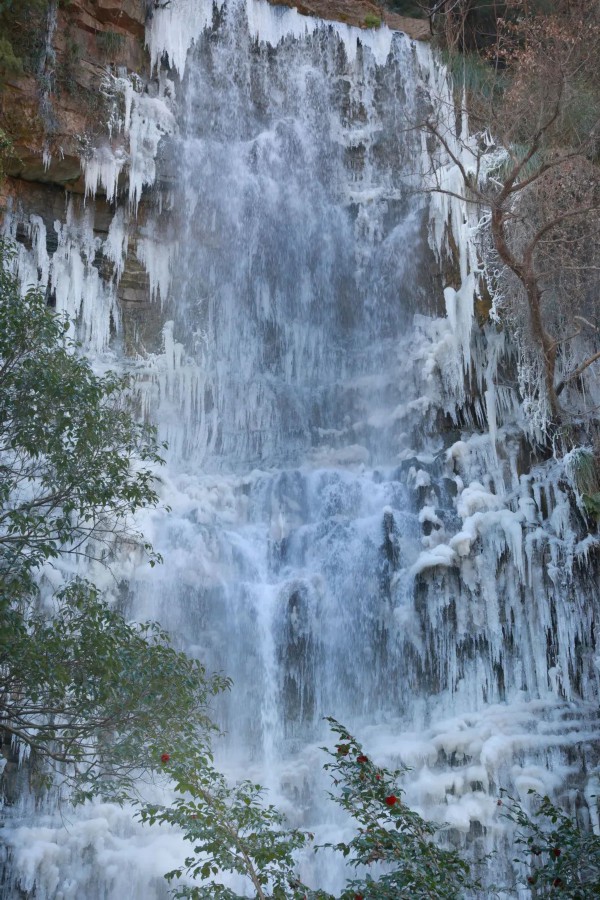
(102, 170)
(301, 391)
(150, 121)
(156, 255)
(115, 246)
(174, 29)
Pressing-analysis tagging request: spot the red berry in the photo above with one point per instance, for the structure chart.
(362, 758)
(556, 852)
(378, 777)
(391, 800)
(558, 882)
(531, 879)
(358, 897)
(165, 758)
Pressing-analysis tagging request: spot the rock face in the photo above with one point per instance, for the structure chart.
(55, 116)
(363, 13)
(50, 118)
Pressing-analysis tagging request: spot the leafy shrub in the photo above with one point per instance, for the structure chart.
(22, 30)
(80, 687)
(233, 831)
(372, 21)
(110, 43)
(560, 858)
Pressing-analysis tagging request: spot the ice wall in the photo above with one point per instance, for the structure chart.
(357, 526)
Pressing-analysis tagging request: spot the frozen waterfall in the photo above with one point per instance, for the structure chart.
(353, 531)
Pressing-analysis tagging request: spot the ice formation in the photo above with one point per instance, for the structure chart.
(354, 527)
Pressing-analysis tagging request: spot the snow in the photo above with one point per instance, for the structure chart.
(428, 514)
(422, 479)
(55, 859)
(116, 244)
(475, 497)
(442, 555)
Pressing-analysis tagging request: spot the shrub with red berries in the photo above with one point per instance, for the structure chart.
(561, 856)
(393, 843)
(394, 852)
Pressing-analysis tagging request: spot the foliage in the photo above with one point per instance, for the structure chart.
(22, 29)
(413, 8)
(559, 856)
(9, 63)
(464, 25)
(472, 26)
(74, 464)
(393, 851)
(95, 695)
(473, 75)
(80, 686)
(69, 64)
(109, 43)
(6, 146)
(234, 832)
(391, 837)
(372, 21)
(533, 97)
(583, 467)
(591, 504)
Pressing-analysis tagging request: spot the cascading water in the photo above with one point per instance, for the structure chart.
(346, 538)
(293, 289)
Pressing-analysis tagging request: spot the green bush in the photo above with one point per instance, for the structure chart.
(22, 30)
(560, 858)
(233, 831)
(394, 851)
(110, 43)
(9, 63)
(93, 695)
(412, 8)
(81, 687)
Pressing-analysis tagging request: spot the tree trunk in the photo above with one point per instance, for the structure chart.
(524, 270)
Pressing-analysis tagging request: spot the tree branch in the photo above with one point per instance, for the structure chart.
(578, 371)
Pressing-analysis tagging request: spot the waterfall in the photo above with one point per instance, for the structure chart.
(355, 528)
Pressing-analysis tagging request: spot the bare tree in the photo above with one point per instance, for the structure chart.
(463, 24)
(533, 167)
